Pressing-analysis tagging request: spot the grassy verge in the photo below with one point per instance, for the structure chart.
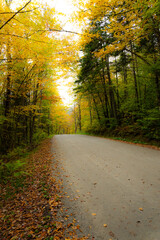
(30, 201)
(139, 140)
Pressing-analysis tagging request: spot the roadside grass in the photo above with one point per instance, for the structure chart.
(128, 139)
(31, 197)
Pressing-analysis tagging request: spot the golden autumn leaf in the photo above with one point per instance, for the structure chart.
(141, 209)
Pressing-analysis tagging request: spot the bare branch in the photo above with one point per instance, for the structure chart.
(63, 30)
(28, 39)
(19, 12)
(14, 15)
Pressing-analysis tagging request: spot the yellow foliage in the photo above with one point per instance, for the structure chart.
(125, 21)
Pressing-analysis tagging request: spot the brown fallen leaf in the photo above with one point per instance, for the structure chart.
(111, 234)
(104, 225)
(28, 214)
(58, 225)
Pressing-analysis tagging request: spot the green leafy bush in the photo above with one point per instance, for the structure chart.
(11, 169)
(39, 135)
(150, 124)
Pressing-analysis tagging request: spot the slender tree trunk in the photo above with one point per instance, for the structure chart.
(157, 88)
(101, 101)
(90, 110)
(8, 80)
(96, 108)
(156, 75)
(79, 114)
(138, 82)
(111, 93)
(117, 91)
(105, 91)
(102, 104)
(75, 120)
(125, 76)
(134, 75)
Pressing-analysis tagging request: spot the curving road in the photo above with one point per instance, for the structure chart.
(116, 186)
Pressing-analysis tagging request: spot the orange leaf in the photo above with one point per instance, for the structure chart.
(141, 209)
(94, 214)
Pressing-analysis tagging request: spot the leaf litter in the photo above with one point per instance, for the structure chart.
(30, 211)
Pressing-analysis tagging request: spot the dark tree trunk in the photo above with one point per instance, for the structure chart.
(111, 93)
(117, 91)
(79, 114)
(134, 75)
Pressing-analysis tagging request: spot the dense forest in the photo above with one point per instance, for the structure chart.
(108, 55)
(116, 59)
(118, 86)
(31, 53)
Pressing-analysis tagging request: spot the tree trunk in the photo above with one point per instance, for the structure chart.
(98, 115)
(90, 110)
(79, 114)
(75, 120)
(124, 67)
(117, 91)
(135, 77)
(105, 92)
(111, 93)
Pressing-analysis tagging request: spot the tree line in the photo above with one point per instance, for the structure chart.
(30, 105)
(118, 86)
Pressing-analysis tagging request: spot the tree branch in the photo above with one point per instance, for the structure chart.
(19, 12)
(63, 30)
(138, 56)
(29, 39)
(14, 15)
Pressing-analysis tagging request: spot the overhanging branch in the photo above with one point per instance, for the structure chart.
(19, 12)
(62, 30)
(15, 14)
(138, 56)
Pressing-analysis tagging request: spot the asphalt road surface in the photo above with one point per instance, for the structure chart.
(116, 186)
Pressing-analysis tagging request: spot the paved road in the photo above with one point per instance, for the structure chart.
(118, 182)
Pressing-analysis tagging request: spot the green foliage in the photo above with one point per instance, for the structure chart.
(18, 152)
(120, 89)
(151, 124)
(11, 169)
(39, 135)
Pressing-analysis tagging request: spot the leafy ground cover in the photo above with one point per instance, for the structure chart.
(31, 201)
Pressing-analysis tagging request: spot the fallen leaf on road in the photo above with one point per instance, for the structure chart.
(141, 209)
(111, 234)
(104, 225)
(94, 214)
(58, 225)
